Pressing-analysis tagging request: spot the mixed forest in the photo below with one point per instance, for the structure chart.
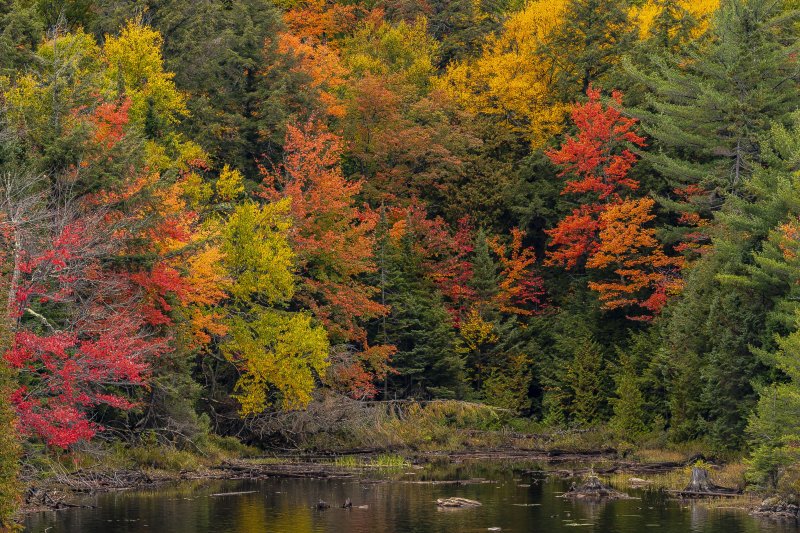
(580, 213)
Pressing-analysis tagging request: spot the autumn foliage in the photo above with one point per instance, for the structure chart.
(87, 328)
(333, 236)
(609, 233)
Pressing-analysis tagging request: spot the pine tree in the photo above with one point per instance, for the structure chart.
(738, 296)
(708, 113)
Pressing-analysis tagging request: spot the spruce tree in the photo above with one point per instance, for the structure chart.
(585, 380)
(426, 362)
(484, 279)
(628, 419)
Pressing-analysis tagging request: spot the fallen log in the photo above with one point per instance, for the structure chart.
(688, 494)
(457, 503)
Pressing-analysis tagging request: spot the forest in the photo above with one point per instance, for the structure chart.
(248, 224)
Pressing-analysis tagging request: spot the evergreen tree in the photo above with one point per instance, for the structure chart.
(590, 42)
(225, 55)
(774, 426)
(628, 419)
(737, 297)
(21, 29)
(708, 335)
(461, 25)
(585, 379)
(419, 325)
(484, 278)
(707, 113)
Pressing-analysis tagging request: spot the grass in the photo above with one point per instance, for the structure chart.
(347, 461)
(389, 461)
(148, 455)
(383, 460)
(729, 475)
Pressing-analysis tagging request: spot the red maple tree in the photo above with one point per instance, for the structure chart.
(87, 318)
(609, 234)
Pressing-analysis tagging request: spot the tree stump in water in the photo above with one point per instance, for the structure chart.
(593, 489)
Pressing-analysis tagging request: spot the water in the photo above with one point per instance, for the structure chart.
(519, 500)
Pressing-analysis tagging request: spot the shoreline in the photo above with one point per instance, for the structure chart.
(64, 491)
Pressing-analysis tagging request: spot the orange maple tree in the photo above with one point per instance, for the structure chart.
(334, 239)
(520, 291)
(610, 233)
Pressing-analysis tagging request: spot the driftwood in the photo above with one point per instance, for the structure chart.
(700, 485)
(594, 489)
(457, 503)
(54, 500)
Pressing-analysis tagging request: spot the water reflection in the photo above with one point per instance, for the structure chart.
(516, 499)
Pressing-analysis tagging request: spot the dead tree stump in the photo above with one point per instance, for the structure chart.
(700, 481)
(592, 488)
(700, 484)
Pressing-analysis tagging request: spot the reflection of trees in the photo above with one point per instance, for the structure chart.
(288, 506)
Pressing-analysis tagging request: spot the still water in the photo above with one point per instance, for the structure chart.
(519, 499)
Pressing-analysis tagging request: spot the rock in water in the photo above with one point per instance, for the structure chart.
(456, 503)
(323, 504)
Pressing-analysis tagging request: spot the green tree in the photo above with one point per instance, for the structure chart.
(774, 426)
(738, 296)
(707, 113)
(242, 90)
(628, 418)
(585, 380)
(21, 30)
(589, 44)
(419, 325)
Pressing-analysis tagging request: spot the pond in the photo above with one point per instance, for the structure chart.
(516, 497)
